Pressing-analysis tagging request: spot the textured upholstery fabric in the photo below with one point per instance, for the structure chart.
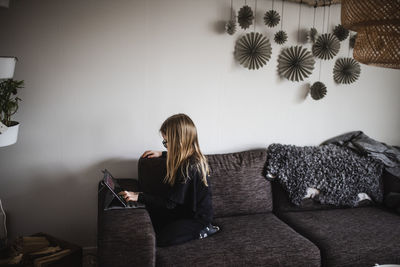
(125, 237)
(350, 237)
(247, 240)
(238, 185)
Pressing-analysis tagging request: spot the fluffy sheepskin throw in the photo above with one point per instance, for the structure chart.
(338, 173)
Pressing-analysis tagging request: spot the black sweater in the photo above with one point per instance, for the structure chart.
(188, 198)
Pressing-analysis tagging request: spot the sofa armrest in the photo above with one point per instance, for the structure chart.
(125, 237)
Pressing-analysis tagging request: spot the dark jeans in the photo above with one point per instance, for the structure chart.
(173, 231)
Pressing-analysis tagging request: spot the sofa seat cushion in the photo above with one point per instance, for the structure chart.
(246, 240)
(350, 237)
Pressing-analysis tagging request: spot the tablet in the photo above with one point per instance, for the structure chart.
(111, 183)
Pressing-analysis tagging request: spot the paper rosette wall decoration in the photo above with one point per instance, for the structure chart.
(352, 40)
(253, 50)
(271, 18)
(295, 63)
(230, 27)
(340, 32)
(318, 90)
(346, 70)
(280, 37)
(245, 17)
(326, 46)
(312, 35)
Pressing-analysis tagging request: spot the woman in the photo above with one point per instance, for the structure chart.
(187, 212)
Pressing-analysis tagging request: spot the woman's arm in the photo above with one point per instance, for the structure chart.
(156, 201)
(148, 199)
(154, 154)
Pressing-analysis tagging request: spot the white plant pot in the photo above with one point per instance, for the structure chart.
(10, 136)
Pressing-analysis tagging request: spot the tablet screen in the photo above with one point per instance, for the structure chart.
(109, 180)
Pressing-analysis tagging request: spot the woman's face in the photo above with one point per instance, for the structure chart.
(165, 141)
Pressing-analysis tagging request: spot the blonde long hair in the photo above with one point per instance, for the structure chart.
(183, 145)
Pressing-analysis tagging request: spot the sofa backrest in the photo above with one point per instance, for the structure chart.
(237, 182)
(238, 185)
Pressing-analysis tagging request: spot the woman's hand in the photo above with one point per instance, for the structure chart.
(129, 196)
(152, 154)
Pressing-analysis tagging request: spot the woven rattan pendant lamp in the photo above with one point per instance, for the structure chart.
(377, 23)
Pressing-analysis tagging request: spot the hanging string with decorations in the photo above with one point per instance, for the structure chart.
(253, 50)
(245, 16)
(329, 16)
(255, 15)
(271, 17)
(318, 89)
(346, 70)
(312, 34)
(230, 26)
(352, 40)
(281, 36)
(296, 63)
(298, 27)
(341, 32)
(327, 45)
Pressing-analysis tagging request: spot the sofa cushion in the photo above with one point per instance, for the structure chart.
(238, 184)
(350, 237)
(247, 240)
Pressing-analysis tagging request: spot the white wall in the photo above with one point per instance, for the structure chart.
(101, 76)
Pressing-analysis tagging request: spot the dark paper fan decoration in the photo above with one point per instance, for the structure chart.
(312, 35)
(245, 17)
(352, 40)
(318, 90)
(295, 63)
(346, 70)
(253, 50)
(326, 46)
(271, 18)
(341, 32)
(230, 27)
(280, 37)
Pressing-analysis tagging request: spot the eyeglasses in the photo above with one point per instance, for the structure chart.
(164, 142)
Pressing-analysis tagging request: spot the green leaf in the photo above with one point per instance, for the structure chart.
(9, 103)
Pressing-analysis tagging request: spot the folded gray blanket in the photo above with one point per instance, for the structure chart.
(338, 173)
(364, 145)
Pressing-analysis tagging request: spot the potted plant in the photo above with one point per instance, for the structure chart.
(8, 107)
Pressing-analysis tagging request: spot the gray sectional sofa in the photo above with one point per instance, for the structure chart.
(259, 226)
